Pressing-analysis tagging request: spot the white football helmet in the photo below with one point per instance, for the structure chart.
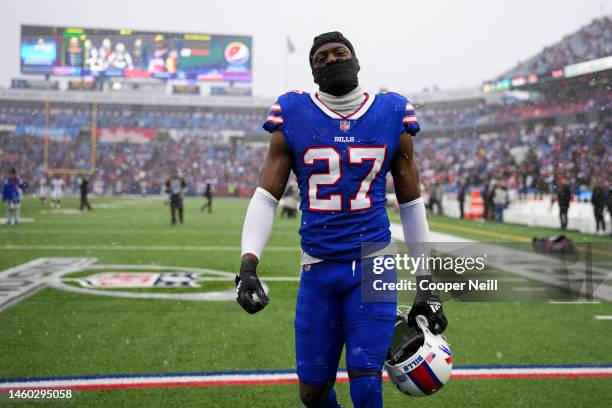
(419, 362)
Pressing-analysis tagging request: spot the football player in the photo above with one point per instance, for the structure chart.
(12, 193)
(57, 191)
(42, 190)
(340, 142)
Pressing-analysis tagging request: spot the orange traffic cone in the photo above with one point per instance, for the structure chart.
(476, 207)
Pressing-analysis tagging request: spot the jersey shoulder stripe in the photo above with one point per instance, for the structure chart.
(283, 104)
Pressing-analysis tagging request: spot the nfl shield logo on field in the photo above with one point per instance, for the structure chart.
(345, 125)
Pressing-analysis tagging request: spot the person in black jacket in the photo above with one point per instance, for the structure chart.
(461, 198)
(435, 197)
(175, 188)
(84, 188)
(208, 195)
(489, 206)
(598, 199)
(564, 196)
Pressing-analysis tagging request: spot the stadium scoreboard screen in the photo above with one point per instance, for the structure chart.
(71, 51)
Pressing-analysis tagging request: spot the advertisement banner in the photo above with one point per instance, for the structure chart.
(127, 53)
(123, 135)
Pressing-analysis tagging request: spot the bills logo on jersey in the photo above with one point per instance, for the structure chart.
(344, 139)
(345, 125)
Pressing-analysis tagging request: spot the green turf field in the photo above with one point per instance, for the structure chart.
(60, 333)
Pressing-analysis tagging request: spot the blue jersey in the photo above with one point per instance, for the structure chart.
(341, 164)
(12, 190)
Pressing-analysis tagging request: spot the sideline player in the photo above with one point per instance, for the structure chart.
(340, 142)
(57, 191)
(43, 190)
(12, 193)
(176, 187)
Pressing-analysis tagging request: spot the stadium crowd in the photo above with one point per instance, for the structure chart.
(590, 42)
(31, 115)
(528, 158)
(30, 118)
(141, 168)
(475, 114)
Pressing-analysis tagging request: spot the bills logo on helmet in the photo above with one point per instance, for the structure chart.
(414, 354)
(237, 53)
(409, 366)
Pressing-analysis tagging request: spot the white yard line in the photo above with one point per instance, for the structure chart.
(531, 288)
(10, 247)
(137, 232)
(21, 219)
(221, 279)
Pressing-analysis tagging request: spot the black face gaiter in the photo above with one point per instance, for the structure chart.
(338, 78)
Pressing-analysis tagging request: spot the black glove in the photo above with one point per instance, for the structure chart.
(428, 304)
(247, 285)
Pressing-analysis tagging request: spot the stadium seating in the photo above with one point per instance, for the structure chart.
(467, 155)
(591, 42)
(115, 116)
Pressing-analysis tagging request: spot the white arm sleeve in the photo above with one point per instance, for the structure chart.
(416, 231)
(258, 222)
